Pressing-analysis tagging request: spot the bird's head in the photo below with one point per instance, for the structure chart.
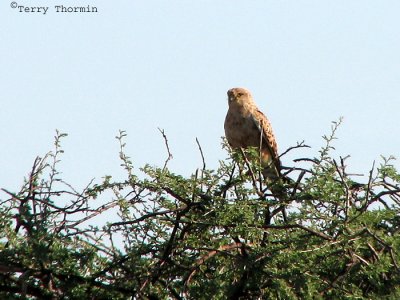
(239, 96)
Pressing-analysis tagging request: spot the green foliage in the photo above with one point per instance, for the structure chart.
(217, 234)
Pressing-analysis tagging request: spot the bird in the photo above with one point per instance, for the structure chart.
(246, 126)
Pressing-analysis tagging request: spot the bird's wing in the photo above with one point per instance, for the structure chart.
(265, 128)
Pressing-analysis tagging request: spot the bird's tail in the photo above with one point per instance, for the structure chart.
(276, 182)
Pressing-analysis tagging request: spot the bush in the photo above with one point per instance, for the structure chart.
(218, 234)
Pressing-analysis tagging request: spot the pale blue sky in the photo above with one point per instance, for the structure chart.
(139, 65)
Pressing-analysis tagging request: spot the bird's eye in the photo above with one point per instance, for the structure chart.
(240, 94)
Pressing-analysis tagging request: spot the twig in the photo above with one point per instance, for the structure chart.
(369, 185)
(253, 178)
(341, 172)
(315, 161)
(167, 146)
(201, 153)
(297, 183)
(299, 145)
(210, 254)
(147, 216)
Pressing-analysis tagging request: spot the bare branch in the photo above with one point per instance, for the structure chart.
(167, 146)
(201, 153)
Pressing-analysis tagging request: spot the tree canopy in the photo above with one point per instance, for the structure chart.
(217, 234)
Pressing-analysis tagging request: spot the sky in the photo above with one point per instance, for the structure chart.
(142, 65)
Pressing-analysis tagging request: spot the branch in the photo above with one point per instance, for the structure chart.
(253, 178)
(202, 155)
(299, 145)
(167, 146)
(209, 255)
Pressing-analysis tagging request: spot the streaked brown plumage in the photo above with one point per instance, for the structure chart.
(246, 126)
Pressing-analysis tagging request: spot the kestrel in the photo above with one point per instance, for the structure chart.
(246, 126)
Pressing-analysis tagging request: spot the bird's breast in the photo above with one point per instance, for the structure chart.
(241, 131)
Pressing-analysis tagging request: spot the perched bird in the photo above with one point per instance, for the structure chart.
(246, 126)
